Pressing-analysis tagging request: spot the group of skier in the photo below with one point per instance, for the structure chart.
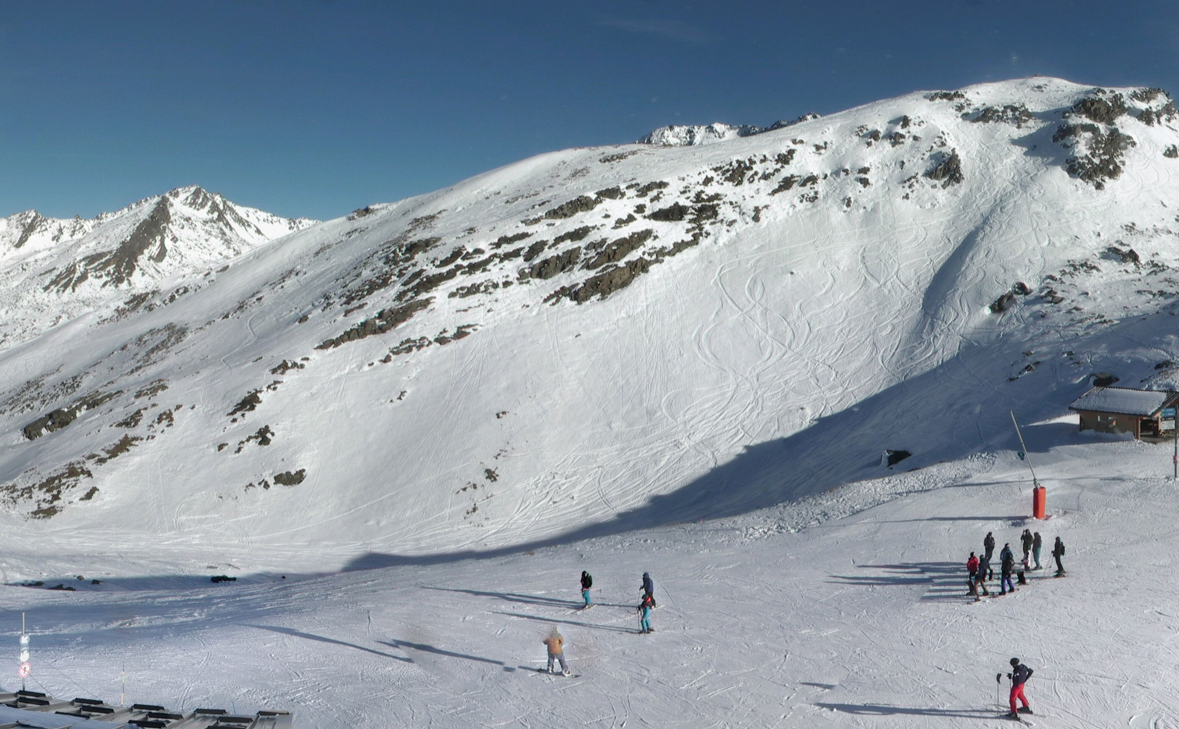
(980, 570)
(555, 642)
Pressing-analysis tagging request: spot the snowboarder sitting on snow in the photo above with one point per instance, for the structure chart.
(586, 583)
(645, 613)
(648, 588)
(556, 645)
(1036, 544)
(972, 569)
(1027, 540)
(1019, 676)
(1006, 566)
(1058, 552)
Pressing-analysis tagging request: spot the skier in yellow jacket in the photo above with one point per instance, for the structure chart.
(556, 645)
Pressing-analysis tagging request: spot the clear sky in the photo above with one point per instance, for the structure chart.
(315, 108)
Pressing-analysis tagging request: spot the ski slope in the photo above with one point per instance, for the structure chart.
(858, 620)
(407, 431)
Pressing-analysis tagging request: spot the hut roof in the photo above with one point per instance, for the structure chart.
(1123, 401)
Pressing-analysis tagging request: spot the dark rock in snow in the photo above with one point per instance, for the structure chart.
(948, 171)
(1101, 109)
(287, 478)
(1103, 379)
(1003, 303)
(1128, 255)
(62, 417)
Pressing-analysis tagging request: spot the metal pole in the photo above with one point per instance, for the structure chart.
(1026, 454)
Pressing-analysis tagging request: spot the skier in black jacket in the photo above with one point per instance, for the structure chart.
(1005, 568)
(1026, 540)
(586, 583)
(989, 551)
(1058, 552)
(1019, 676)
(648, 589)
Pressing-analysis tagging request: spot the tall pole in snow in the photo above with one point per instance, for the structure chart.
(24, 669)
(1023, 445)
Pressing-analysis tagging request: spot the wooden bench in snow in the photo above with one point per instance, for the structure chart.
(36, 710)
(1145, 414)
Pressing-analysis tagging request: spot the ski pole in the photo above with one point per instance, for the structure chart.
(999, 689)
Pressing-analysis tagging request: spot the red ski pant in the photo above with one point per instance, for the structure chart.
(1017, 693)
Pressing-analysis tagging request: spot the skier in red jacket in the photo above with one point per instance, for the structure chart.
(972, 569)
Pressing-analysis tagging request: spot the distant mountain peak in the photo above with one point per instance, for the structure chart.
(186, 229)
(694, 135)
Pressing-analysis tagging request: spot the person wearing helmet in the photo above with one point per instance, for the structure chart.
(1019, 676)
(648, 589)
(586, 583)
(1007, 565)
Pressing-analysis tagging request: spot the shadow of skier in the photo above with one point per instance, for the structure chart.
(882, 710)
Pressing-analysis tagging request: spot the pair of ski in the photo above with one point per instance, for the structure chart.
(547, 672)
(1018, 717)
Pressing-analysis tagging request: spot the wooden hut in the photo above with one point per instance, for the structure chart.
(1146, 414)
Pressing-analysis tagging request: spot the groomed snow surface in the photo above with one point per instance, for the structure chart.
(859, 621)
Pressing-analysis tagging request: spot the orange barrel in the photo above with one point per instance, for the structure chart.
(1039, 501)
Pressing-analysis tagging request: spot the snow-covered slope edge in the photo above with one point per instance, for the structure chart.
(602, 339)
(52, 270)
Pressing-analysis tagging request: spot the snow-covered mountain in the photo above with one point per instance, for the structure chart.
(691, 135)
(408, 430)
(54, 270)
(597, 339)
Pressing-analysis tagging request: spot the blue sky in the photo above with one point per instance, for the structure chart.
(314, 108)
